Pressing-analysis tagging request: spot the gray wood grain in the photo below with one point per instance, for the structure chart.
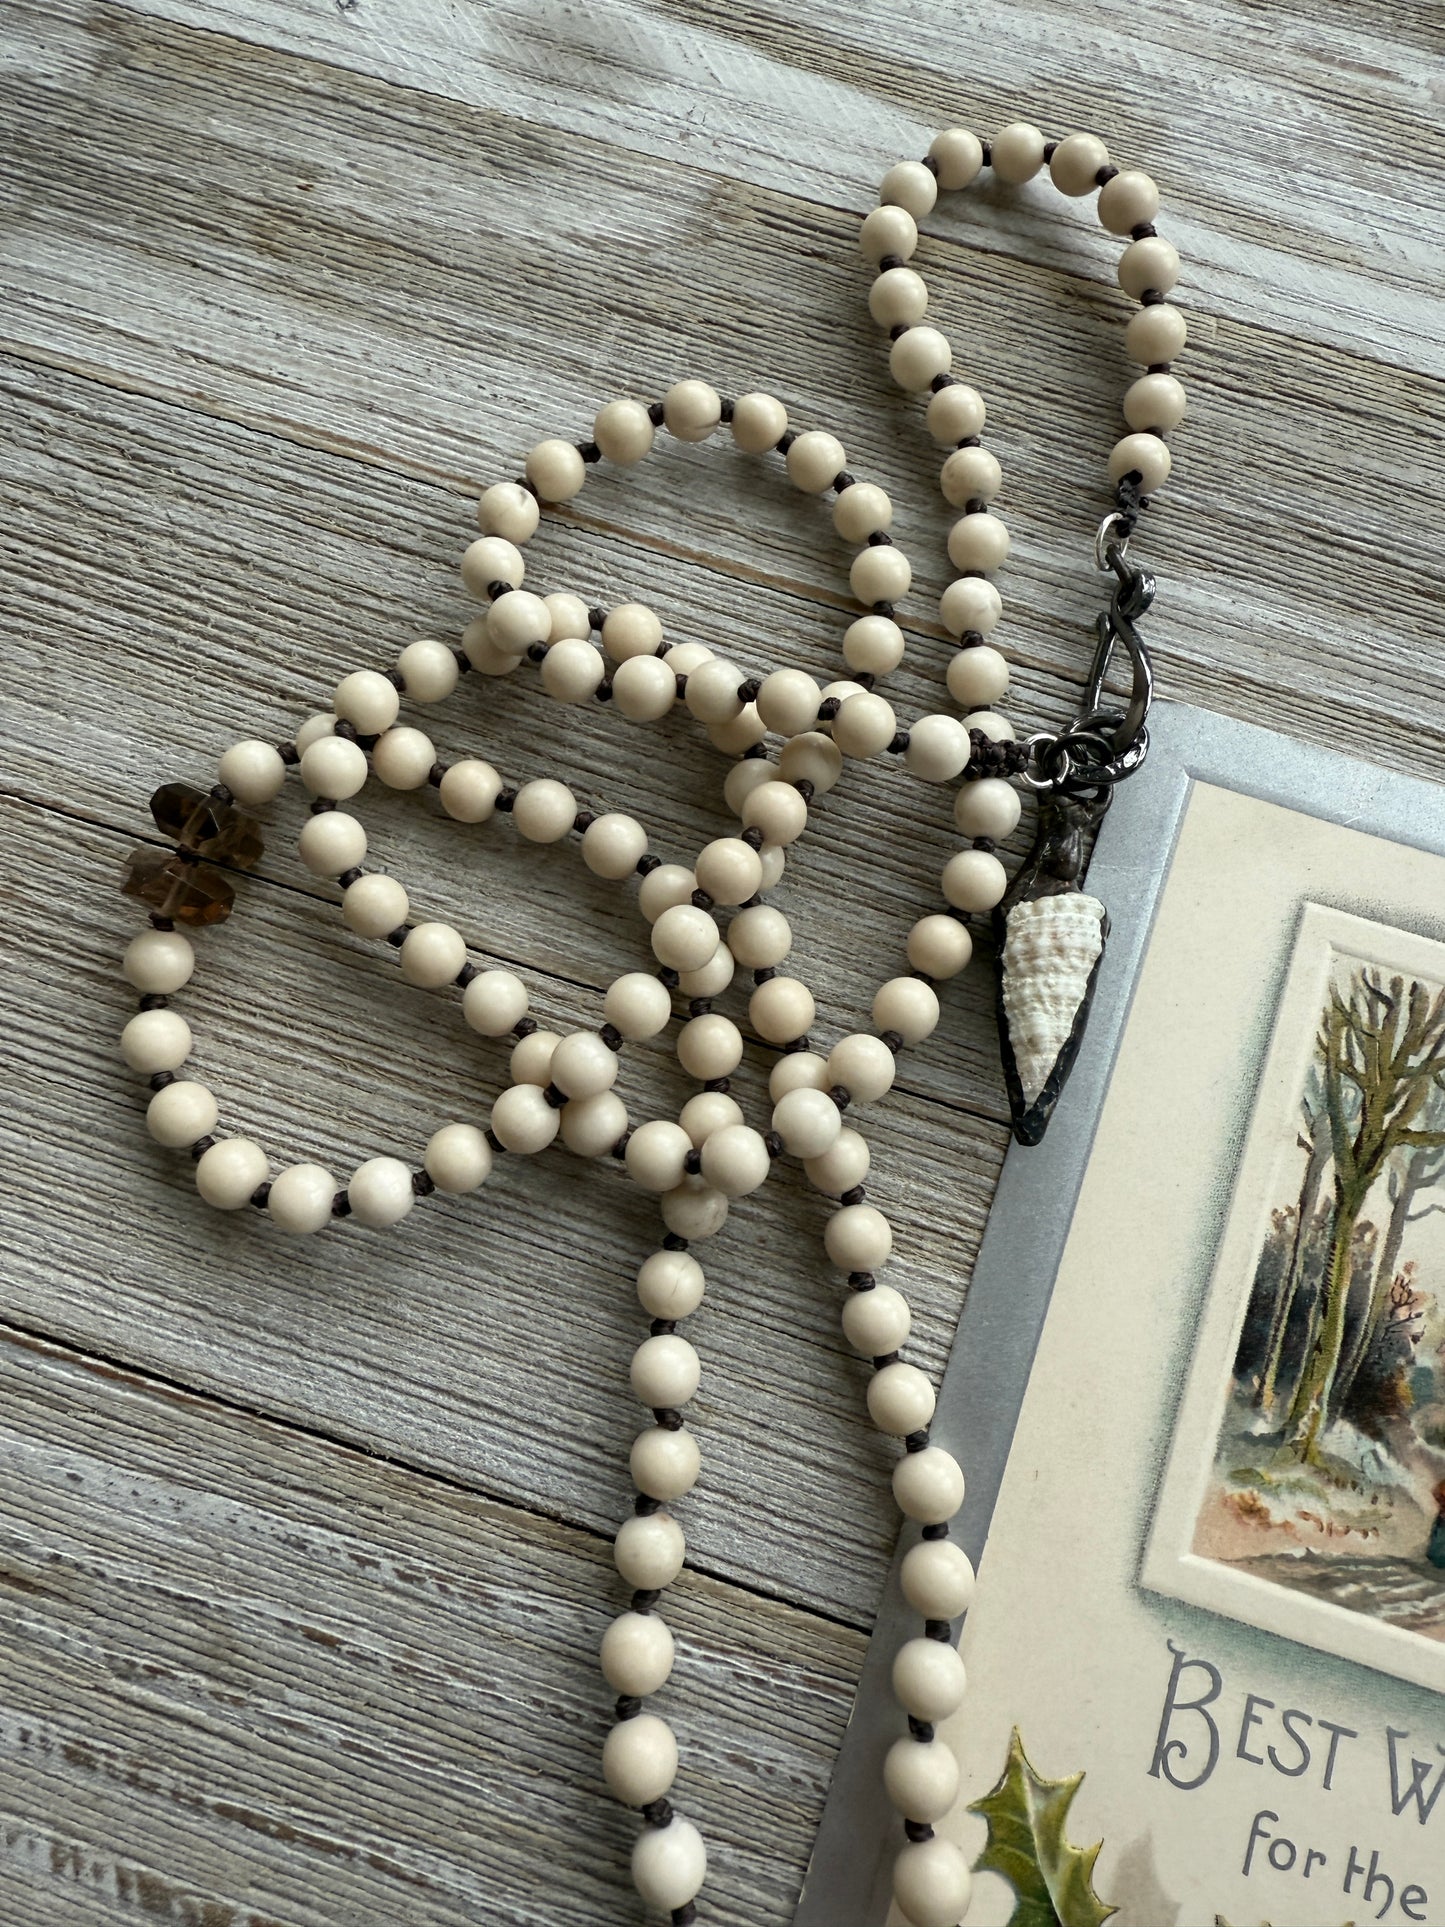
(282, 284)
(253, 1679)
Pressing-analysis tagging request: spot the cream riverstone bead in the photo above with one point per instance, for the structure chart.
(695, 1209)
(494, 1001)
(861, 511)
(735, 1160)
(469, 791)
(1018, 153)
(374, 906)
(639, 1759)
(959, 156)
(623, 430)
(637, 1005)
(788, 698)
(918, 357)
(649, 1551)
(613, 844)
(1154, 402)
(873, 645)
(882, 574)
(922, 1779)
(931, 1883)
(544, 811)
(253, 772)
(974, 880)
(798, 1070)
(898, 298)
(865, 725)
(929, 1679)
(644, 689)
(736, 737)
(592, 1126)
(570, 617)
(1142, 455)
(938, 748)
(759, 422)
(669, 1864)
(516, 621)
(998, 729)
(668, 884)
(666, 1371)
(706, 1112)
(909, 184)
(979, 541)
(312, 730)
(928, 1486)
(712, 691)
(367, 700)
(230, 1172)
(843, 1165)
(863, 1065)
(432, 954)
(1156, 334)
(691, 410)
(334, 768)
(510, 511)
(709, 1047)
(483, 654)
(1128, 201)
(158, 962)
(991, 807)
(1150, 263)
(583, 1066)
(777, 810)
(331, 843)
(1075, 164)
(670, 1284)
(970, 474)
(808, 1122)
(729, 870)
(760, 937)
(712, 979)
(684, 937)
(900, 1396)
(637, 1655)
(858, 1238)
(937, 1579)
(888, 230)
(665, 1464)
(955, 413)
(524, 1121)
(457, 1158)
(656, 1154)
(876, 1322)
(156, 1040)
(940, 946)
(531, 1058)
(556, 470)
(301, 1197)
(908, 1006)
(181, 1113)
(971, 604)
(429, 669)
(380, 1192)
(572, 670)
(978, 675)
(814, 459)
(491, 558)
(631, 629)
(404, 758)
(813, 758)
(781, 1010)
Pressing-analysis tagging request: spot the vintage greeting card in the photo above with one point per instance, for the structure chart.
(1199, 1386)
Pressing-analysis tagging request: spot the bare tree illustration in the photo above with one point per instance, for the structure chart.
(1388, 1047)
(1315, 1140)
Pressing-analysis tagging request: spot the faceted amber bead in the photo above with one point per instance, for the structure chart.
(170, 887)
(208, 827)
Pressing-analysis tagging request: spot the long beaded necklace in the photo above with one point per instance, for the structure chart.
(1050, 934)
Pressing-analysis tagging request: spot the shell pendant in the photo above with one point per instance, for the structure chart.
(1050, 936)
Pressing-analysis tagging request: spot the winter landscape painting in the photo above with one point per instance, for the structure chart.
(1306, 1485)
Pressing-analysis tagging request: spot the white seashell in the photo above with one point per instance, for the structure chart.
(1051, 946)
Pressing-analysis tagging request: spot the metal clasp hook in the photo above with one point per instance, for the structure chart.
(1133, 593)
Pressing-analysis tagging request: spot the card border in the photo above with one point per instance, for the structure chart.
(848, 1883)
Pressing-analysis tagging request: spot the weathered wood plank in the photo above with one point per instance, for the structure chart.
(819, 104)
(280, 267)
(487, 1338)
(253, 1679)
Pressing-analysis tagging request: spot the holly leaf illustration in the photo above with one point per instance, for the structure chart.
(1052, 1879)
